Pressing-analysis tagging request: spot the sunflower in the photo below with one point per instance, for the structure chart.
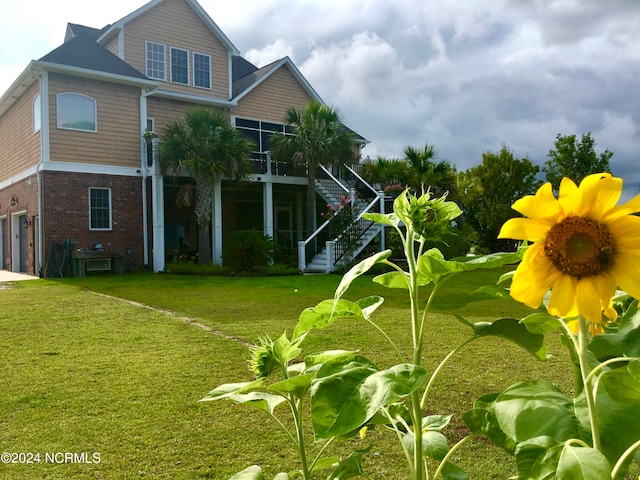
(584, 248)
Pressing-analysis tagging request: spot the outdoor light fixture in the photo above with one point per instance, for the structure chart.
(27, 223)
(14, 200)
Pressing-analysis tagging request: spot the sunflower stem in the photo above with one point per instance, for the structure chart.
(583, 338)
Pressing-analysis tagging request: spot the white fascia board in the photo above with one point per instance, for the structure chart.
(286, 61)
(119, 25)
(18, 177)
(96, 169)
(71, 167)
(204, 16)
(17, 88)
(96, 75)
(215, 102)
(196, 8)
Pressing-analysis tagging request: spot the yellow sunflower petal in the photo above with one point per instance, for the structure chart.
(606, 287)
(523, 229)
(628, 208)
(626, 275)
(542, 206)
(608, 193)
(569, 196)
(534, 277)
(596, 329)
(562, 302)
(590, 191)
(574, 326)
(626, 232)
(588, 300)
(626, 225)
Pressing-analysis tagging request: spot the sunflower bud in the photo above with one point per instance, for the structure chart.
(431, 218)
(263, 360)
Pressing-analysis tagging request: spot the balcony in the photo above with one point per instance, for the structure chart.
(263, 164)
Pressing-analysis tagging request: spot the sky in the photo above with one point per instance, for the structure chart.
(467, 76)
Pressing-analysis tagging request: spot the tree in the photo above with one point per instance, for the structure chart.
(384, 171)
(574, 159)
(502, 180)
(205, 146)
(320, 139)
(428, 173)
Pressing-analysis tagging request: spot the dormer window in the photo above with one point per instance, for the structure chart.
(76, 111)
(156, 61)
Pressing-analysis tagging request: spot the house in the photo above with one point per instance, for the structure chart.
(79, 184)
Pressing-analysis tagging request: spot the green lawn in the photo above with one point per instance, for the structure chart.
(89, 373)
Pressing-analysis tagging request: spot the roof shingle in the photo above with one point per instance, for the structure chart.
(83, 52)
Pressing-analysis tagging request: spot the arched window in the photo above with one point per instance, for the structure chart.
(37, 114)
(76, 112)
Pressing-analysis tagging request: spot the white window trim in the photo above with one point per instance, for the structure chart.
(110, 209)
(171, 49)
(95, 112)
(146, 60)
(36, 110)
(194, 71)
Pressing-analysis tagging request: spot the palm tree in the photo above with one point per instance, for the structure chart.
(206, 147)
(385, 171)
(320, 139)
(439, 176)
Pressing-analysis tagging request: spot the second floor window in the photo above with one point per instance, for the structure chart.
(156, 61)
(201, 70)
(76, 112)
(261, 132)
(179, 66)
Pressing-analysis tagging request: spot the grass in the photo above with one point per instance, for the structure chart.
(96, 374)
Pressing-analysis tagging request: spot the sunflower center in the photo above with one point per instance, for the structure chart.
(580, 246)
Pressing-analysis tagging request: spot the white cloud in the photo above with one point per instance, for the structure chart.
(464, 75)
(279, 49)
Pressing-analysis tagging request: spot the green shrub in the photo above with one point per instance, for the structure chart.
(247, 250)
(190, 268)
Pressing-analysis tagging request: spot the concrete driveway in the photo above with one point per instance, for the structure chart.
(6, 276)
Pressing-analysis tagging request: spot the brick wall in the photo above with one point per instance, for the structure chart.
(66, 213)
(25, 193)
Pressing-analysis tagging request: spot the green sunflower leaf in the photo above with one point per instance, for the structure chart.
(345, 396)
(433, 267)
(456, 301)
(562, 461)
(260, 400)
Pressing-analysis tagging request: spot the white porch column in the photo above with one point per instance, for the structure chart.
(302, 261)
(330, 246)
(157, 206)
(267, 199)
(216, 223)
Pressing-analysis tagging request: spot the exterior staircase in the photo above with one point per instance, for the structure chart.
(327, 249)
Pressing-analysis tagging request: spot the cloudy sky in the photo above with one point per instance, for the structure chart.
(467, 76)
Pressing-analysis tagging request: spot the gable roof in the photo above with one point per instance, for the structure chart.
(113, 29)
(84, 53)
(74, 29)
(241, 67)
(247, 76)
(242, 86)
